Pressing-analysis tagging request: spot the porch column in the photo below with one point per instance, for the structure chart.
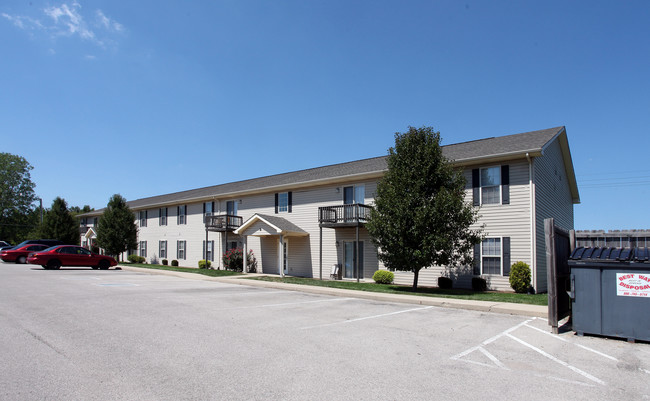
(244, 252)
(281, 256)
(320, 255)
(356, 259)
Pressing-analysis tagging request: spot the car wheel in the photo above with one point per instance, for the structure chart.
(54, 264)
(104, 265)
(95, 267)
(21, 260)
(45, 267)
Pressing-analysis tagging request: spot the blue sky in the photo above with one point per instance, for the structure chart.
(148, 97)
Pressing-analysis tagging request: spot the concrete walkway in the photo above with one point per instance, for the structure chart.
(483, 306)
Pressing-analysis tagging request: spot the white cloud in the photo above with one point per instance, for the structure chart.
(23, 22)
(108, 23)
(69, 20)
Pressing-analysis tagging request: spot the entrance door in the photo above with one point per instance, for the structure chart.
(349, 256)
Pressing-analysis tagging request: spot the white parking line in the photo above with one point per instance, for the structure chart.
(492, 358)
(365, 318)
(490, 340)
(554, 359)
(577, 345)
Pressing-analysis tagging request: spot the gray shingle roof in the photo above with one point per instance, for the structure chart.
(280, 222)
(465, 152)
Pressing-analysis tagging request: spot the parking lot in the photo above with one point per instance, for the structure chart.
(77, 334)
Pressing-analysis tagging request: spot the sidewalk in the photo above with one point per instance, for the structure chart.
(483, 306)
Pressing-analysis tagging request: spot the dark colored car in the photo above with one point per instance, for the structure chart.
(19, 254)
(48, 242)
(70, 255)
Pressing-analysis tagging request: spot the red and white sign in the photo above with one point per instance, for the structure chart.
(633, 285)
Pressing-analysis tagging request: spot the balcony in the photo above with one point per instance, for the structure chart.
(222, 222)
(343, 215)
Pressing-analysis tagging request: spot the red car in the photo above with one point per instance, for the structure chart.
(70, 255)
(19, 254)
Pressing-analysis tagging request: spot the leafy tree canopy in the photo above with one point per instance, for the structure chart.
(116, 229)
(17, 216)
(58, 223)
(420, 217)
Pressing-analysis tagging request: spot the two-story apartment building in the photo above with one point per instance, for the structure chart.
(301, 223)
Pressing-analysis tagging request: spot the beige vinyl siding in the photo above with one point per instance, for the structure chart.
(552, 199)
(304, 251)
(512, 220)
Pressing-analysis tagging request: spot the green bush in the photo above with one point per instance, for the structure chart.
(164, 262)
(383, 277)
(136, 259)
(479, 284)
(445, 282)
(204, 264)
(174, 262)
(520, 277)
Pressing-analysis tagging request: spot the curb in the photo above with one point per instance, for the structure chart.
(481, 306)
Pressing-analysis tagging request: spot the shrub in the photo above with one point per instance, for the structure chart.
(520, 277)
(154, 260)
(164, 262)
(383, 277)
(174, 262)
(204, 264)
(445, 282)
(136, 259)
(233, 259)
(479, 284)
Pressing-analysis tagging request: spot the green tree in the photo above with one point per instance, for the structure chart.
(420, 218)
(58, 223)
(16, 198)
(116, 229)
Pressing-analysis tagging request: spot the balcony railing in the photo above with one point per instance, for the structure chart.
(222, 222)
(343, 215)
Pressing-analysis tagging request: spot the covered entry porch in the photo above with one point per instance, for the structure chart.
(275, 234)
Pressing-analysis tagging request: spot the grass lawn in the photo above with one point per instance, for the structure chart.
(205, 272)
(537, 299)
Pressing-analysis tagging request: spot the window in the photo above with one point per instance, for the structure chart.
(143, 249)
(142, 216)
(162, 216)
(492, 256)
(283, 202)
(208, 210)
(354, 194)
(162, 249)
(181, 249)
(181, 217)
(95, 221)
(210, 251)
(491, 185)
(231, 208)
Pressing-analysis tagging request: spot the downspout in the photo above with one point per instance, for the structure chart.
(533, 221)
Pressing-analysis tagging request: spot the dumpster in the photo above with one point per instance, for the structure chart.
(610, 291)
